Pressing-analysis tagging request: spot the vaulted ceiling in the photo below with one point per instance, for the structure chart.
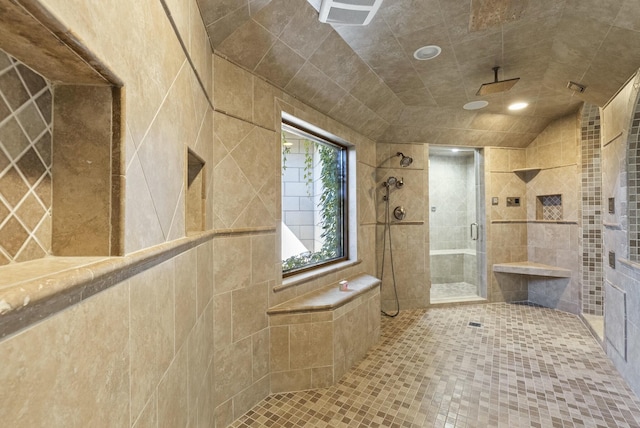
(367, 78)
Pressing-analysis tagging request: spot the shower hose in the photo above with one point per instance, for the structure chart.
(387, 231)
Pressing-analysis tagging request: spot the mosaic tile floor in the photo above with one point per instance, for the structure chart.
(524, 366)
(455, 291)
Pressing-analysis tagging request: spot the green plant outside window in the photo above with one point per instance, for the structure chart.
(314, 195)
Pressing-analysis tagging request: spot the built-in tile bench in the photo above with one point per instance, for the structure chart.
(317, 337)
(531, 268)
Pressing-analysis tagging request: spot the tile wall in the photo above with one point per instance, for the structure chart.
(25, 162)
(591, 211)
(506, 226)
(514, 235)
(409, 237)
(620, 282)
(197, 349)
(556, 152)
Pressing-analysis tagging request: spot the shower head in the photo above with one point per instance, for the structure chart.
(496, 86)
(405, 161)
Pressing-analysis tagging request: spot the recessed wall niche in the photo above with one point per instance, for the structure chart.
(60, 137)
(549, 207)
(195, 201)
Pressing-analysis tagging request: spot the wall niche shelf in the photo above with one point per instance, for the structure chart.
(527, 174)
(526, 169)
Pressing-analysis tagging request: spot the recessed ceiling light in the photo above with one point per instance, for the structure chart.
(427, 52)
(455, 150)
(475, 105)
(518, 106)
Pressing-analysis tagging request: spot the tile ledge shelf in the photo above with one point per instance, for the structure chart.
(634, 265)
(314, 274)
(531, 268)
(327, 298)
(33, 290)
(534, 221)
(531, 169)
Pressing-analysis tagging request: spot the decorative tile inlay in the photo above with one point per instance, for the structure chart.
(592, 288)
(524, 366)
(633, 185)
(551, 207)
(25, 162)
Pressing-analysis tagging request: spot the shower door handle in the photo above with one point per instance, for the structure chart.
(474, 228)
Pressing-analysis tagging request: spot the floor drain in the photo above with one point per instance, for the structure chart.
(475, 324)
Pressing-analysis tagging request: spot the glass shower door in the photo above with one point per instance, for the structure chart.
(455, 225)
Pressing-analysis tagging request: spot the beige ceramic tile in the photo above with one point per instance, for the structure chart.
(141, 220)
(149, 416)
(249, 307)
(185, 292)
(293, 380)
(222, 334)
(263, 258)
(228, 178)
(248, 398)
(233, 369)
(279, 64)
(248, 44)
(91, 370)
(152, 331)
(223, 414)
(164, 145)
(200, 48)
(205, 407)
(205, 275)
(279, 352)
(200, 350)
(233, 255)
(81, 177)
(308, 345)
(261, 352)
(173, 397)
(179, 12)
(264, 111)
(232, 89)
(322, 377)
(255, 154)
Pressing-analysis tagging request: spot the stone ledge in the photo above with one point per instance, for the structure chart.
(326, 298)
(531, 268)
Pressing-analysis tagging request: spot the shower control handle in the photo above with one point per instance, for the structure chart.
(399, 213)
(474, 228)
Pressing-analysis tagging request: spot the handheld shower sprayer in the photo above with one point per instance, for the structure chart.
(405, 161)
(391, 181)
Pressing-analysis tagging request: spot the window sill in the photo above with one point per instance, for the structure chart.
(294, 280)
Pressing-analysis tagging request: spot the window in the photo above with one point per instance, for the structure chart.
(314, 189)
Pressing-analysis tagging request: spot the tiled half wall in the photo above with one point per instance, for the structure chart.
(25, 162)
(592, 286)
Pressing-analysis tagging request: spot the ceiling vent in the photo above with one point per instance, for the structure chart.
(349, 12)
(576, 87)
